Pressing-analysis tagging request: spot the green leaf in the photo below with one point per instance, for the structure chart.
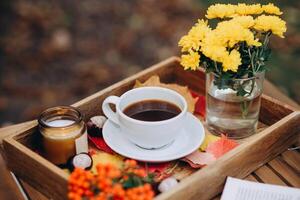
(132, 181)
(149, 178)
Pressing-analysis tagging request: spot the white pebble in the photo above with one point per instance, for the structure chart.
(167, 184)
(98, 121)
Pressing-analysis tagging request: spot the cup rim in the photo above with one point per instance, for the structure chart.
(123, 115)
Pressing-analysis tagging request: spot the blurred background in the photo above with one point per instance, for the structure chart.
(58, 52)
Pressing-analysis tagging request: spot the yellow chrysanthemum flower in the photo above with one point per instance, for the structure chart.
(255, 9)
(190, 61)
(231, 32)
(192, 41)
(188, 42)
(244, 9)
(220, 11)
(271, 9)
(244, 21)
(216, 53)
(232, 62)
(270, 23)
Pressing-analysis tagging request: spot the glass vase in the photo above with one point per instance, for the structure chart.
(232, 105)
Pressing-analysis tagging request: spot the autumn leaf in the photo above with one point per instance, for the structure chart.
(221, 146)
(101, 144)
(199, 159)
(200, 106)
(157, 167)
(209, 138)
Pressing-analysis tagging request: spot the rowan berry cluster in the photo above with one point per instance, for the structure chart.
(128, 183)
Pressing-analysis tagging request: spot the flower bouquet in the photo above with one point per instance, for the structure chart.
(233, 53)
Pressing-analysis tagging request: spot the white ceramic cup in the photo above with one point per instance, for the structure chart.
(147, 134)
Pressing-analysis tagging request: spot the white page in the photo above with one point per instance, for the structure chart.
(236, 189)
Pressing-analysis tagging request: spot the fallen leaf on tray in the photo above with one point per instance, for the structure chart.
(160, 170)
(200, 106)
(100, 144)
(199, 159)
(157, 167)
(104, 158)
(221, 146)
(209, 138)
(183, 90)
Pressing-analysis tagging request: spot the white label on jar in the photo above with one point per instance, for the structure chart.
(81, 144)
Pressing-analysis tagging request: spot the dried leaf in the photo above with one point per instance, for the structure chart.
(157, 167)
(104, 158)
(199, 159)
(183, 90)
(221, 146)
(100, 144)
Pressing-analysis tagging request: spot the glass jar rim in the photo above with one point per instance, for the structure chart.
(241, 79)
(63, 111)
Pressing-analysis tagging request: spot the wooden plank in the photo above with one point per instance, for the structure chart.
(251, 178)
(293, 159)
(268, 176)
(291, 177)
(33, 193)
(272, 110)
(248, 156)
(272, 91)
(8, 187)
(37, 171)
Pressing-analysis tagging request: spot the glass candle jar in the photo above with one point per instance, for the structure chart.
(64, 133)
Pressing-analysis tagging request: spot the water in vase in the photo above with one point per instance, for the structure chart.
(233, 115)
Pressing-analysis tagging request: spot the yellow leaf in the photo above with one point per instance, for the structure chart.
(209, 138)
(104, 158)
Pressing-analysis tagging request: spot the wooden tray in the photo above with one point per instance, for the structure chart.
(282, 129)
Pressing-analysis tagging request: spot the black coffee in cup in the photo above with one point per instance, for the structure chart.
(152, 110)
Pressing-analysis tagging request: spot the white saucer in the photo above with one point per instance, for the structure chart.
(188, 141)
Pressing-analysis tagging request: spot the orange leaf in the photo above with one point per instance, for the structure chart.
(221, 146)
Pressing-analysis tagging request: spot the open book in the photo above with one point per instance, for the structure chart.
(236, 189)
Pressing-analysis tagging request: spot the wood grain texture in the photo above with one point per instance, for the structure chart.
(251, 178)
(31, 192)
(268, 176)
(37, 171)
(271, 90)
(288, 174)
(292, 158)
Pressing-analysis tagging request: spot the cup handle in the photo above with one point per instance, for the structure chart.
(109, 113)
